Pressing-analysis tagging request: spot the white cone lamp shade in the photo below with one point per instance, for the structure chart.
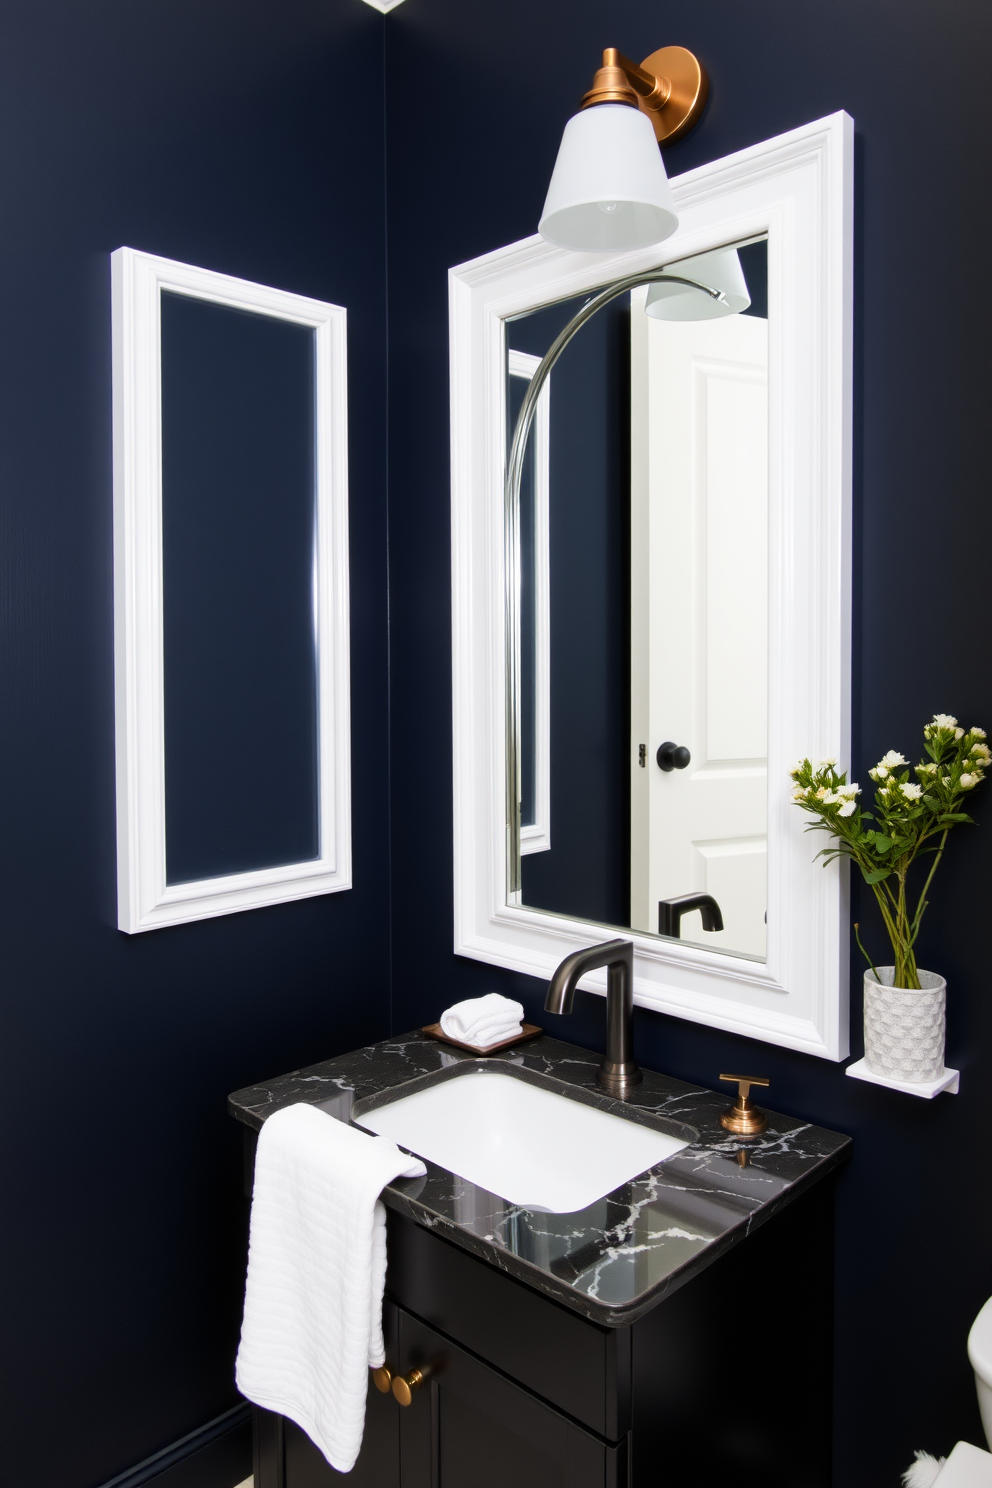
(718, 270)
(609, 190)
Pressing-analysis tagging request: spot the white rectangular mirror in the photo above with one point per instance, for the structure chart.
(231, 593)
(662, 627)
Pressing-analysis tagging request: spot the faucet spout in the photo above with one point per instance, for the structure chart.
(618, 1073)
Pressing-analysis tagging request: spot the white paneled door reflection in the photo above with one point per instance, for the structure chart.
(699, 615)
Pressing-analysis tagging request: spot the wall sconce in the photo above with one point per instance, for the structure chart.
(609, 190)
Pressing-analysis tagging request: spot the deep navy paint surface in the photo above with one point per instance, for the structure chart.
(244, 136)
(914, 1219)
(238, 510)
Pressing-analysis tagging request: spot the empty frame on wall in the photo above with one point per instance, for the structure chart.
(231, 594)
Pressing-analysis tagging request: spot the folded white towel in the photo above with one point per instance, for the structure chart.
(966, 1467)
(483, 1020)
(316, 1271)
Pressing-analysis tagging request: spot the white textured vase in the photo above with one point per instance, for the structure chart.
(904, 1029)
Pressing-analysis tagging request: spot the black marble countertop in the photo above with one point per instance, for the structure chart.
(619, 1257)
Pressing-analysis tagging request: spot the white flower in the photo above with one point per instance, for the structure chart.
(799, 794)
(930, 769)
(945, 720)
(825, 764)
(968, 782)
(879, 773)
(910, 791)
(892, 759)
(981, 752)
(848, 808)
(830, 798)
(959, 733)
(946, 780)
(977, 733)
(822, 793)
(848, 792)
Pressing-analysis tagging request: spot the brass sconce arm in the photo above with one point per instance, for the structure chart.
(654, 90)
(670, 87)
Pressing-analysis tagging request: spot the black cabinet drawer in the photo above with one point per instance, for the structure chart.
(577, 1366)
(470, 1427)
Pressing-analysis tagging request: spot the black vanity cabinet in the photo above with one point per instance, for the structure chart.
(468, 1424)
(677, 1332)
(727, 1380)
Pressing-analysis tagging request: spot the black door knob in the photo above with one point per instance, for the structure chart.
(672, 756)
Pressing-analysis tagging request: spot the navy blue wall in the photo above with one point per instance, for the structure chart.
(244, 136)
(468, 164)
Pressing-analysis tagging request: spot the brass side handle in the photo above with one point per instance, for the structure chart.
(742, 1118)
(382, 1378)
(406, 1385)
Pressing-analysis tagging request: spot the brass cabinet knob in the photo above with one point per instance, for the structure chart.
(382, 1378)
(406, 1385)
(742, 1118)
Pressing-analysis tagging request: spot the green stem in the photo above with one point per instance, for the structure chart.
(921, 906)
(905, 974)
(864, 953)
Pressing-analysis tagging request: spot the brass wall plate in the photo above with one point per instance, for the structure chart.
(690, 86)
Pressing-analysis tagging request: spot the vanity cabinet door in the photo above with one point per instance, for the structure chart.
(469, 1426)
(285, 1457)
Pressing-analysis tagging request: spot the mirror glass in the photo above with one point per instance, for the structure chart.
(238, 531)
(640, 579)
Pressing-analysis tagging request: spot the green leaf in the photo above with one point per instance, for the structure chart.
(878, 875)
(881, 842)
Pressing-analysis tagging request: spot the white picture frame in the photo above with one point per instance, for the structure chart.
(145, 900)
(797, 188)
(535, 836)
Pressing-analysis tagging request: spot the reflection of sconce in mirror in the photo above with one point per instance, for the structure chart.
(677, 300)
(609, 190)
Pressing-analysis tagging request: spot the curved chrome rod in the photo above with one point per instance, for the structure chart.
(511, 539)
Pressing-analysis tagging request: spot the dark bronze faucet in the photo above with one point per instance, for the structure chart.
(618, 1073)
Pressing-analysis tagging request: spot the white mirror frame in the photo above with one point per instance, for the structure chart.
(536, 835)
(797, 188)
(145, 900)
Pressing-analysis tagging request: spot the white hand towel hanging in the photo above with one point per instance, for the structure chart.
(316, 1271)
(483, 1020)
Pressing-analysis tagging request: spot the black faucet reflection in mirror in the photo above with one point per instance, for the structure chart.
(670, 912)
(618, 1073)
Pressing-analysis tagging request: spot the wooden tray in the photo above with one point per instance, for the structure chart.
(528, 1031)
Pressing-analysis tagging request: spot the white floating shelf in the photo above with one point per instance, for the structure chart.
(948, 1081)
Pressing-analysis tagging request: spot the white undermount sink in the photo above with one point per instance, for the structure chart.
(529, 1145)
